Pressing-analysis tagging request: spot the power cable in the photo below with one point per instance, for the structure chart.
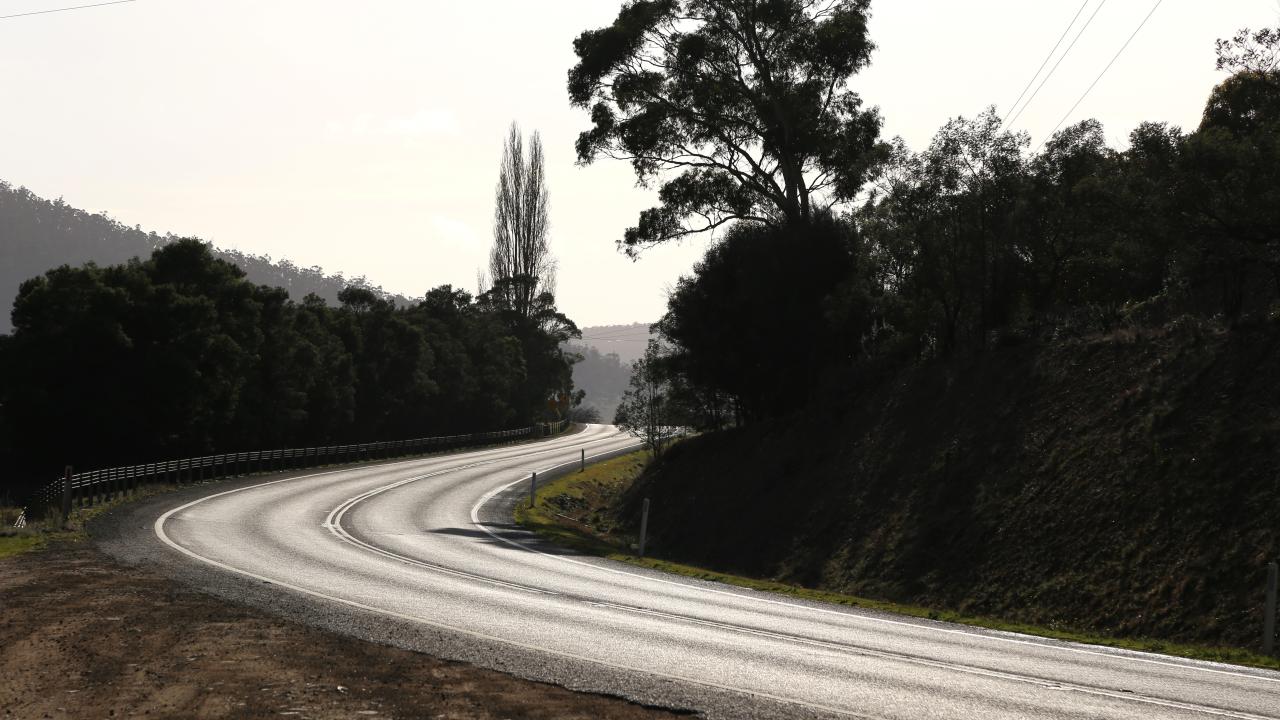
(64, 9)
(1047, 58)
(588, 338)
(642, 333)
(1060, 59)
(1104, 72)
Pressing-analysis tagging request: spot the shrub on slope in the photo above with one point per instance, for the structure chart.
(1124, 483)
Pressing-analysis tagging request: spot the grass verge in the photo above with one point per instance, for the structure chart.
(575, 511)
(40, 533)
(15, 544)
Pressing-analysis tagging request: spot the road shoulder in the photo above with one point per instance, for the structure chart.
(112, 623)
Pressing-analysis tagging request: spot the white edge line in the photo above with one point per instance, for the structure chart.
(334, 523)
(164, 537)
(1003, 636)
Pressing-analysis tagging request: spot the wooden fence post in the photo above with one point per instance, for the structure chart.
(66, 493)
(644, 525)
(1269, 611)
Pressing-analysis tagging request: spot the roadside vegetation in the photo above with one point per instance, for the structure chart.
(578, 510)
(1027, 381)
(38, 533)
(584, 511)
(180, 354)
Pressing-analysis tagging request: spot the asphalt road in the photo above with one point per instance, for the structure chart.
(422, 554)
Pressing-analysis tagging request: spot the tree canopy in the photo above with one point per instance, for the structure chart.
(646, 410)
(978, 241)
(745, 101)
(179, 355)
(520, 264)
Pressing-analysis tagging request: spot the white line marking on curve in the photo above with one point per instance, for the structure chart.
(1011, 638)
(335, 525)
(158, 527)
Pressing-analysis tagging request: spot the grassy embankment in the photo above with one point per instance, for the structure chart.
(581, 511)
(39, 534)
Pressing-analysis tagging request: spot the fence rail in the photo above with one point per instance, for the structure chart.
(85, 489)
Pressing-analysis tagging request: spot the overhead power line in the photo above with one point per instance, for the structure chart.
(1104, 72)
(1047, 58)
(616, 338)
(1054, 69)
(640, 332)
(65, 9)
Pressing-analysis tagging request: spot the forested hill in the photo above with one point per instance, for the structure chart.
(603, 377)
(38, 234)
(604, 370)
(625, 341)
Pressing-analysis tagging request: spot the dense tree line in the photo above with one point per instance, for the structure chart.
(38, 234)
(975, 240)
(180, 354)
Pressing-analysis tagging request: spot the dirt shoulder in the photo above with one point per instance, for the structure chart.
(82, 636)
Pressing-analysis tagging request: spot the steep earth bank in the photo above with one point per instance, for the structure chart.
(1126, 484)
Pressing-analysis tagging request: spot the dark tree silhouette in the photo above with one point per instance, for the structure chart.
(646, 410)
(523, 275)
(753, 323)
(520, 263)
(179, 355)
(746, 100)
(977, 241)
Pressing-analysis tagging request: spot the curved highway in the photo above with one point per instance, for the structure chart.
(426, 545)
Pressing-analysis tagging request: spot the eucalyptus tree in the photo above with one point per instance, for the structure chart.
(741, 108)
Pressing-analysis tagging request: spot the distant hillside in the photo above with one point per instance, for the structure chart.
(605, 370)
(38, 234)
(625, 341)
(604, 377)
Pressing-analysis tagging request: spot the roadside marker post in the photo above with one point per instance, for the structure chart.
(644, 525)
(583, 468)
(66, 493)
(1269, 611)
(533, 487)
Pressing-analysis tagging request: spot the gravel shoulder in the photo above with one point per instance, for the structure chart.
(119, 627)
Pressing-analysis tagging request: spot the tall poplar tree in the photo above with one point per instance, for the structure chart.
(521, 267)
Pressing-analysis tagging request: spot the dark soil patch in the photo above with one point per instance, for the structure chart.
(84, 637)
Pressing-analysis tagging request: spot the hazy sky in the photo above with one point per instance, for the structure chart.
(364, 137)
